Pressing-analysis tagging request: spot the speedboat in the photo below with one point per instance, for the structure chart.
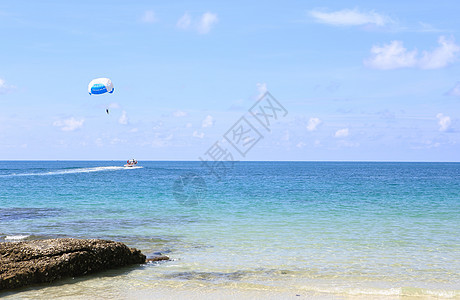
(131, 163)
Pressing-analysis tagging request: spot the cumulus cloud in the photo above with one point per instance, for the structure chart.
(350, 17)
(455, 91)
(197, 134)
(203, 25)
(443, 121)
(446, 53)
(341, 133)
(70, 124)
(395, 56)
(179, 113)
(313, 123)
(207, 122)
(4, 87)
(149, 17)
(123, 120)
(206, 22)
(392, 56)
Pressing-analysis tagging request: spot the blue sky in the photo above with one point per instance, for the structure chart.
(361, 80)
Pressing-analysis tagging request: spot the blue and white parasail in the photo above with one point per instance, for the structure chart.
(100, 86)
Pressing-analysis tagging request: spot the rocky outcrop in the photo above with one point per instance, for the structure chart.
(24, 263)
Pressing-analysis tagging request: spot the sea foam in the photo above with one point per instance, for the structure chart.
(16, 237)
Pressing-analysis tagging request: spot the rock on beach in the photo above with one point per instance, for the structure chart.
(39, 261)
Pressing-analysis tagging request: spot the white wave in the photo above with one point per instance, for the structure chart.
(16, 237)
(368, 292)
(74, 171)
(360, 292)
(443, 293)
(373, 291)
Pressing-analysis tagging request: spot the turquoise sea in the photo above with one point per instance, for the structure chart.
(266, 230)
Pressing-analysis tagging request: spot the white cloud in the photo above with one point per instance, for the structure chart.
(300, 145)
(184, 22)
(70, 124)
(206, 22)
(392, 56)
(197, 134)
(350, 17)
(149, 17)
(395, 56)
(4, 87)
(179, 113)
(444, 122)
(425, 27)
(188, 125)
(446, 53)
(262, 89)
(313, 123)
(123, 120)
(341, 133)
(134, 130)
(202, 26)
(207, 122)
(455, 91)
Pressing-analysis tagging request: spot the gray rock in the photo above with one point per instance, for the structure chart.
(157, 258)
(24, 263)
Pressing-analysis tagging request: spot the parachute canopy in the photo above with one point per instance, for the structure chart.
(100, 86)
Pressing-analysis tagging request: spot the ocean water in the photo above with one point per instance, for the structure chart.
(264, 230)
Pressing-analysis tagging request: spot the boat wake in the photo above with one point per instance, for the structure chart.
(134, 167)
(74, 171)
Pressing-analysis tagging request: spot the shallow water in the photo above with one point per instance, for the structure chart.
(322, 229)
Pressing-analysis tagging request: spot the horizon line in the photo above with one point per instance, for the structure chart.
(169, 160)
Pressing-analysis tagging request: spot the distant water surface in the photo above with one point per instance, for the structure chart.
(352, 229)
